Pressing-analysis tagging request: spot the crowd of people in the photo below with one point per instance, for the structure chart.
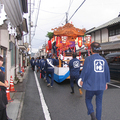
(94, 76)
(46, 67)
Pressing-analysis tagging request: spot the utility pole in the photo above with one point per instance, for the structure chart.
(45, 48)
(66, 17)
(30, 26)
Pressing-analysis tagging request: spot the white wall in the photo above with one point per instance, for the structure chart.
(5, 38)
(4, 41)
(8, 61)
(92, 35)
(97, 36)
(114, 38)
(104, 35)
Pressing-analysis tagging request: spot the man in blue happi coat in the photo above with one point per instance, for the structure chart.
(37, 63)
(42, 67)
(49, 68)
(33, 63)
(95, 76)
(74, 67)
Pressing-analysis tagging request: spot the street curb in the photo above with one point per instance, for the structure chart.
(22, 98)
(20, 107)
(14, 108)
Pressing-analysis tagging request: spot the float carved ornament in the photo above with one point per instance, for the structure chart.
(69, 30)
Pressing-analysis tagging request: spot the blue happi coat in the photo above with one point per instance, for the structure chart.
(95, 73)
(32, 62)
(74, 67)
(48, 67)
(37, 62)
(42, 64)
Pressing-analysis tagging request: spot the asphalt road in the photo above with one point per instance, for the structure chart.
(61, 104)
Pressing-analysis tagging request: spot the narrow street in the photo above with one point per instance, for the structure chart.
(32, 109)
(61, 104)
(31, 31)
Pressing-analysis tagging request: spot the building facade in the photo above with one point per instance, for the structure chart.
(108, 35)
(12, 29)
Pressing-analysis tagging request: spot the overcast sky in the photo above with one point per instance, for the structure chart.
(52, 14)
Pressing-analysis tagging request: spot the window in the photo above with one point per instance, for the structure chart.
(114, 30)
(112, 33)
(117, 31)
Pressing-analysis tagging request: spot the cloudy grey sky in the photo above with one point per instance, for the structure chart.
(52, 14)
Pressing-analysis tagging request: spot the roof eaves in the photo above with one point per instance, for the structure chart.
(110, 23)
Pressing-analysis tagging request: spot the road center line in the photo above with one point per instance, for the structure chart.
(44, 106)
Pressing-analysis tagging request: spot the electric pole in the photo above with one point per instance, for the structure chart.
(66, 17)
(30, 27)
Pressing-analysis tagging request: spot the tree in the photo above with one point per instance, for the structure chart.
(50, 35)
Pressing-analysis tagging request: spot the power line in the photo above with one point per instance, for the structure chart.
(68, 11)
(51, 12)
(76, 10)
(62, 20)
(37, 17)
(70, 5)
(66, 14)
(52, 18)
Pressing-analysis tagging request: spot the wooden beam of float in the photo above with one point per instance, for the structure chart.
(69, 30)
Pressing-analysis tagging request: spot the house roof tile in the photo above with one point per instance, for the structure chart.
(110, 23)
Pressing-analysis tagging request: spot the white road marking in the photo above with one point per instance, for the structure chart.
(113, 85)
(44, 106)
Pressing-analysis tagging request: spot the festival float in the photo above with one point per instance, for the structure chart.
(65, 39)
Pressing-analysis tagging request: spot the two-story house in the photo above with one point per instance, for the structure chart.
(108, 35)
(13, 28)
